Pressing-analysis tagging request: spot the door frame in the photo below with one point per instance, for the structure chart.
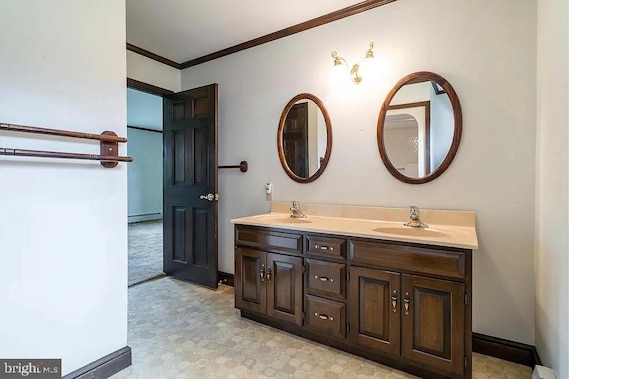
(223, 277)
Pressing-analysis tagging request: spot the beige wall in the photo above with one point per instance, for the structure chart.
(485, 49)
(151, 72)
(552, 198)
(63, 224)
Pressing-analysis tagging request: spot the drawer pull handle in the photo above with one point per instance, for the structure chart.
(323, 317)
(269, 274)
(406, 303)
(322, 247)
(394, 301)
(323, 278)
(262, 273)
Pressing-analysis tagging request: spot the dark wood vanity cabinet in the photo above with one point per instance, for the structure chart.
(270, 284)
(433, 323)
(417, 318)
(404, 305)
(373, 305)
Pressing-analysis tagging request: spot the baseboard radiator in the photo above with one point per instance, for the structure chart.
(144, 217)
(542, 372)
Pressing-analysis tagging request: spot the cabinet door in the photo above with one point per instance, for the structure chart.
(374, 306)
(433, 323)
(284, 288)
(251, 292)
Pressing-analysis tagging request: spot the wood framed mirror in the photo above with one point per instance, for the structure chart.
(419, 127)
(304, 138)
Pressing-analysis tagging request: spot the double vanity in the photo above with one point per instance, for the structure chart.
(389, 284)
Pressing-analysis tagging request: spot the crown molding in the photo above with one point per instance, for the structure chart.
(301, 27)
(310, 24)
(155, 57)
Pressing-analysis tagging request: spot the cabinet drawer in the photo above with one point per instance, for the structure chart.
(326, 317)
(269, 240)
(326, 278)
(326, 246)
(415, 259)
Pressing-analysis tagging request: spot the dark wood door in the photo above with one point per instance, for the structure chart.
(433, 323)
(295, 140)
(190, 123)
(284, 288)
(250, 279)
(374, 306)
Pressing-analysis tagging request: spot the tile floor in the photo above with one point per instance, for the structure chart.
(179, 330)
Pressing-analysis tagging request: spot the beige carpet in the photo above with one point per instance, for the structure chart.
(145, 251)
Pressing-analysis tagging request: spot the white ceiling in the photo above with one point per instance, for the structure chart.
(188, 29)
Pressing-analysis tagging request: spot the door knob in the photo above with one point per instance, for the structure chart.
(210, 197)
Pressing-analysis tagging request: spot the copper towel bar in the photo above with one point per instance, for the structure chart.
(108, 156)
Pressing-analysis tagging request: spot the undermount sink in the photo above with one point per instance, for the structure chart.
(410, 231)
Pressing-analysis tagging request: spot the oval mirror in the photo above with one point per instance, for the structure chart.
(304, 138)
(419, 127)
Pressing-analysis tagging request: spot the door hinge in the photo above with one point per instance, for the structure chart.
(348, 276)
(348, 327)
(304, 315)
(466, 298)
(466, 362)
(304, 269)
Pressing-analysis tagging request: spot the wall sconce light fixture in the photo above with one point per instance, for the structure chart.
(358, 71)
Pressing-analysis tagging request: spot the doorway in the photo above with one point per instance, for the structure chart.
(144, 186)
(295, 140)
(173, 191)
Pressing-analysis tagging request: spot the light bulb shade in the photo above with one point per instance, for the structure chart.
(368, 67)
(339, 73)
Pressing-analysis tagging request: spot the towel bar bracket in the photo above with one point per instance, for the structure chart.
(243, 166)
(109, 149)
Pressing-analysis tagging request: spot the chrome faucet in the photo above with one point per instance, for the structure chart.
(295, 211)
(414, 218)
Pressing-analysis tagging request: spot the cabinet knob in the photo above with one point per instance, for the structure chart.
(322, 247)
(262, 273)
(269, 274)
(406, 303)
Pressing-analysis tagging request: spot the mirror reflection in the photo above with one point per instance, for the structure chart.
(304, 138)
(419, 127)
